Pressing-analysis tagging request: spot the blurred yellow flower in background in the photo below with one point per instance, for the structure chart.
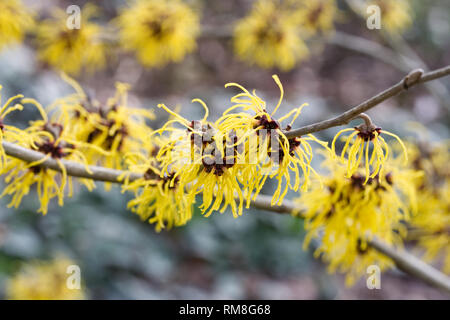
(316, 16)
(430, 226)
(71, 50)
(43, 280)
(348, 212)
(269, 37)
(432, 231)
(396, 16)
(15, 20)
(159, 31)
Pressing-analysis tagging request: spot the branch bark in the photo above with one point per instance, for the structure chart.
(74, 169)
(412, 79)
(413, 266)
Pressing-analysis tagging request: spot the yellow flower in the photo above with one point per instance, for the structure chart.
(54, 141)
(71, 50)
(43, 280)
(269, 37)
(396, 16)
(431, 225)
(357, 147)
(273, 154)
(159, 31)
(158, 197)
(15, 20)
(348, 212)
(433, 159)
(7, 132)
(315, 16)
(196, 156)
(114, 127)
(120, 129)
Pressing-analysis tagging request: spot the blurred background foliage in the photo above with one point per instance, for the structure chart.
(259, 255)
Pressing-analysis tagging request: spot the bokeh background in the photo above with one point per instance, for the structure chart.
(259, 255)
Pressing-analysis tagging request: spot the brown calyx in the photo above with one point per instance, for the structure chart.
(357, 181)
(50, 147)
(266, 123)
(367, 132)
(150, 174)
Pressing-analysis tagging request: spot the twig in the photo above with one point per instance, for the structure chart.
(371, 48)
(74, 169)
(413, 78)
(262, 202)
(413, 266)
(401, 56)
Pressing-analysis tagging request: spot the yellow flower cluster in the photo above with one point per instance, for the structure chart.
(159, 31)
(368, 192)
(277, 156)
(268, 37)
(348, 212)
(15, 20)
(113, 126)
(396, 16)
(54, 141)
(80, 130)
(43, 280)
(225, 162)
(68, 48)
(273, 34)
(358, 147)
(158, 197)
(430, 227)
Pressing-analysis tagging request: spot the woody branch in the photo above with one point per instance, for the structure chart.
(413, 78)
(402, 259)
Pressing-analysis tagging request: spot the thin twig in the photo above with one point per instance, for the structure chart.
(372, 49)
(74, 169)
(412, 79)
(401, 56)
(413, 265)
(263, 202)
